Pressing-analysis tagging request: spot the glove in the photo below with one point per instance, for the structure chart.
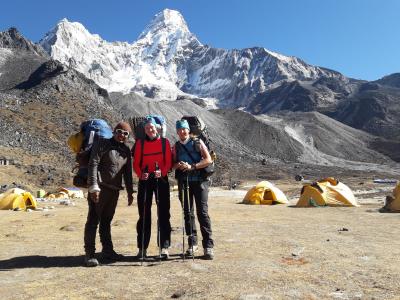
(144, 176)
(157, 174)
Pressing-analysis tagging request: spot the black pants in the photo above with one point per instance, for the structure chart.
(199, 192)
(148, 188)
(103, 213)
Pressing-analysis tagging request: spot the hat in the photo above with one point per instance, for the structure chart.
(148, 120)
(124, 126)
(182, 124)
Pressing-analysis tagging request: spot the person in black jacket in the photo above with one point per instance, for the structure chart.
(110, 162)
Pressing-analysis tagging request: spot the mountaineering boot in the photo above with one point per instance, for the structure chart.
(164, 253)
(192, 250)
(91, 261)
(142, 254)
(209, 253)
(112, 255)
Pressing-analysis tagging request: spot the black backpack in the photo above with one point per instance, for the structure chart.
(198, 131)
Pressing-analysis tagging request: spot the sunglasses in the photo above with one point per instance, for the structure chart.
(122, 132)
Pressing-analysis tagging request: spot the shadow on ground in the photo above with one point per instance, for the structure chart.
(39, 261)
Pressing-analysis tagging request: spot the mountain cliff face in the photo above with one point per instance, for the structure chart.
(19, 57)
(168, 61)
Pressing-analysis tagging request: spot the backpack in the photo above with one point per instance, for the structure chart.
(198, 131)
(90, 132)
(137, 124)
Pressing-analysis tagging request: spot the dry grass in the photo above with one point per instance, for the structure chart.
(262, 252)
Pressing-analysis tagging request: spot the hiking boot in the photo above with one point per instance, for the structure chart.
(91, 261)
(112, 255)
(164, 253)
(141, 254)
(209, 253)
(192, 250)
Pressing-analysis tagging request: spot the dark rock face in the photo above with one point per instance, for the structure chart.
(392, 80)
(12, 39)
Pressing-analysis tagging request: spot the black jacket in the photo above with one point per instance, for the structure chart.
(110, 161)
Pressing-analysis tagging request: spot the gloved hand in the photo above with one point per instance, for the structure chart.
(144, 176)
(157, 173)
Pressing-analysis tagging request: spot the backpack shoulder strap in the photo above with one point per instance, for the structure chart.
(163, 147)
(141, 153)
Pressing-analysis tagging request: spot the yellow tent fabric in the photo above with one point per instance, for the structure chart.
(75, 141)
(17, 198)
(393, 202)
(326, 192)
(265, 193)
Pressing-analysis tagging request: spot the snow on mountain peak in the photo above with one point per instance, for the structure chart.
(166, 20)
(167, 60)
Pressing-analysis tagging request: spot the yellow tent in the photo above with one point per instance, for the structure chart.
(17, 198)
(326, 192)
(265, 193)
(393, 202)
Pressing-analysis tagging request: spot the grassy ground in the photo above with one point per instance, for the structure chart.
(262, 252)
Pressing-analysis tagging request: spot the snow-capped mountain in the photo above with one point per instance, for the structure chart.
(167, 61)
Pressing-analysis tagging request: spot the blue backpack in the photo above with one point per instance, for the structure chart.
(92, 130)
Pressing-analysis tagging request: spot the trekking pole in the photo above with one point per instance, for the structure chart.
(190, 214)
(145, 170)
(180, 196)
(158, 217)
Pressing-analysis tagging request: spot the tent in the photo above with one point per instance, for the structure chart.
(65, 193)
(392, 202)
(17, 199)
(265, 193)
(73, 192)
(326, 192)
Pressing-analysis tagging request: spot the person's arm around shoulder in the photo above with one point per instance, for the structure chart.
(136, 158)
(175, 163)
(168, 158)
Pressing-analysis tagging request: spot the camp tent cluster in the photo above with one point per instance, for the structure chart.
(65, 193)
(324, 192)
(19, 199)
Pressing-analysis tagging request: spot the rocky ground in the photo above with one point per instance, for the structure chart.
(262, 252)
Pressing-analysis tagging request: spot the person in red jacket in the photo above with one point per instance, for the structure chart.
(152, 160)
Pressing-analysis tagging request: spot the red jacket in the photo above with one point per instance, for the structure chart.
(152, 153)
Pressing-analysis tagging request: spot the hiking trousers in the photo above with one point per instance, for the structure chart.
(103, 213)
(198, 191)
(149, 187)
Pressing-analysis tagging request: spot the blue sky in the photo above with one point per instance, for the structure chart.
(359, 38)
